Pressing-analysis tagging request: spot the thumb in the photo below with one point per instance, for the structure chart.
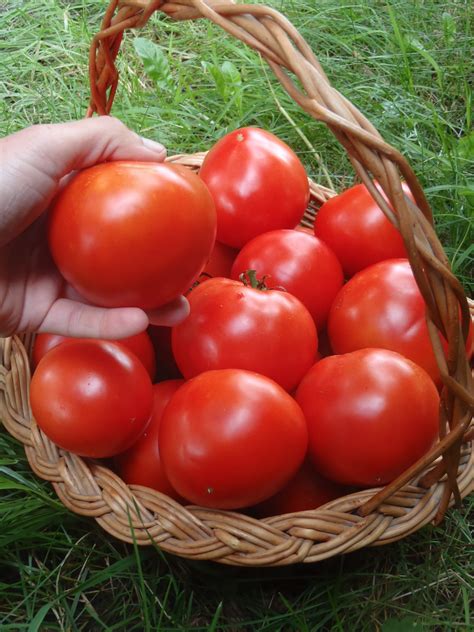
(35, 160)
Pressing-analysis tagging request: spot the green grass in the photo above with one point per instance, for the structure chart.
(406, 64)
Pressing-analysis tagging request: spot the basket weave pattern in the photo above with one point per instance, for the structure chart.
(420, 495)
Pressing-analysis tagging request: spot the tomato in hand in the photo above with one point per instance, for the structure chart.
(234, 326)
(382, 306)
(258, 184)
(306, 490)
(355, 228)
(231, 438)
(371, 414)
(131, 233)
(301, 264)
(140, 345)
(141, 464)
(91, 397)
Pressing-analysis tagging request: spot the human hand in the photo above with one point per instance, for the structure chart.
(35, 163)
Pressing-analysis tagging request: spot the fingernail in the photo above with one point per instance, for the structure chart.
(153, 145)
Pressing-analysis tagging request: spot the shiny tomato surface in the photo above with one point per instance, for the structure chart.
(91, 397)
(356, 229)
(234, 326)
(382, 306)
(258, 184)
(131, 233)
(371, 414)
(231, 438)
(301, 264)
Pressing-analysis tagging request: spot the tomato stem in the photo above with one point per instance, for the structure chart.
(249, 278)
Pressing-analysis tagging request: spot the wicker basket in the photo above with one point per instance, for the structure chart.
(367, 518)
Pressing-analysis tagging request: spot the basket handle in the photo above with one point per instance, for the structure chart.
(285, 50)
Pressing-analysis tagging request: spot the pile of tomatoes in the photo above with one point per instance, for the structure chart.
(304, 368)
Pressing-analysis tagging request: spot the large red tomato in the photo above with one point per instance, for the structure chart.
(371, 414)
(382, 306)
(306, 490)
(140, 345)
(132, 234)
(258, 184)
(92, 397)
(300, 263)
(355, 228)
(141, 464)
(231, 438)
(233, 326)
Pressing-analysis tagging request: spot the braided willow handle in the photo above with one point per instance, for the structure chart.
(362, 519)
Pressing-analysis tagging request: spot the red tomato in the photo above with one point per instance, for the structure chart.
(233, 326)
(306, 490)
(382, 306)
(220, 262)
(300, 263)
(132, 234)
(371, 414)
(355, 228)
(258, 184)
(91, 397)
(140, 345)
(231, 438)
(161, 339)
(141, 464)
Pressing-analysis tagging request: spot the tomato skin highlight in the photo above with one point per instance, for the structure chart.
(132, 233)
(355, 228)
(305, 491)
(382, 307)
(91, 397)
(231, 438)
(141, 464)
(371, 414)
(140, 345)
(258, 184)
(235, 326)
(300, 263)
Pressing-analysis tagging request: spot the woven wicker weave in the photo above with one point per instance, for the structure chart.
(420, 495)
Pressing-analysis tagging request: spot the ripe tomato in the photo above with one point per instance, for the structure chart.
(141, 464)
(233, 326)
(92, 397)
(300, 263)
(382, 306)
(371, 414)
(132, 234)
(140, 345)
(258, 184)
(355, 228)
(306, 490)
(220, 262)
(231, 438)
